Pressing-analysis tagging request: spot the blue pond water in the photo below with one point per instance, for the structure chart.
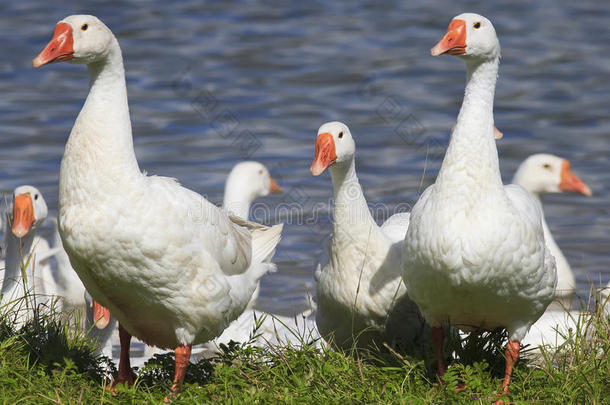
(213, 83)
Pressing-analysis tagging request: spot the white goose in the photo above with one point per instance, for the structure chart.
(474, 253)
(247, 181)
(43, 279)
(360, 293)
(28, 252)
(540, 174)
(173, 268)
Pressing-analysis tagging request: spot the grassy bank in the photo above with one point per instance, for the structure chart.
(45, 362)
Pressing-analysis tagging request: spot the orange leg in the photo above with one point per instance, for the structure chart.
(438, 335)
(512, 353)
(183, 355)
(126, 374)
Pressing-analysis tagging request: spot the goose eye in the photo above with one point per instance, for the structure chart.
(35, 196)
(260, 171)
(547, 166)
(340, 134)
(84, 27)
(477, 25)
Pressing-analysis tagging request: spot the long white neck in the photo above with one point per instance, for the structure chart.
(100, 151)
(237, 198)
(471, 161)
(17, 255)
(351, 214)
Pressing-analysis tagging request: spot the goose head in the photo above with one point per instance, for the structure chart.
(470, 36)
(29, 210)
(252, 180)
(334, 147)
(77, 39)
(544, 173)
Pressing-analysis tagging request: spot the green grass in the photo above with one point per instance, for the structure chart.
(46, 362)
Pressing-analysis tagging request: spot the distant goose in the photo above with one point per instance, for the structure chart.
(541, 174)
(247, 181)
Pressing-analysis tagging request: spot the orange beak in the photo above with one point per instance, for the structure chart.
(101, 315)
(274, 188)
(325, 154)
(570, 182)
(60, 48)
(454, 41)
(497, 134)
(23, 215)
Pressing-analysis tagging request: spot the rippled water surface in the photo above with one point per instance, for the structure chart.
(212, 83)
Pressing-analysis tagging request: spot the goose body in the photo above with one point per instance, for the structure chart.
(173, 268)
(474, 252)
(541, 174)
(359, 291)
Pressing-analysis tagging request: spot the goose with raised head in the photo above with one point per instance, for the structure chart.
(543, 173)
(26, 255)
(173, 268)
(360, 293)
(247, 181)
(474, 253)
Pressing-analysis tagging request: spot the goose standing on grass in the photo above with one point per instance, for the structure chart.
(360, 293)
(27, 252)
(474, 253)
(540, 174)
(173, 268)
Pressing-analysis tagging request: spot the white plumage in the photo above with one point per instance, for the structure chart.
(247, 181)
(474, 253)
(540, 174)
(359, 291)
(26, 254)
(173, 268)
